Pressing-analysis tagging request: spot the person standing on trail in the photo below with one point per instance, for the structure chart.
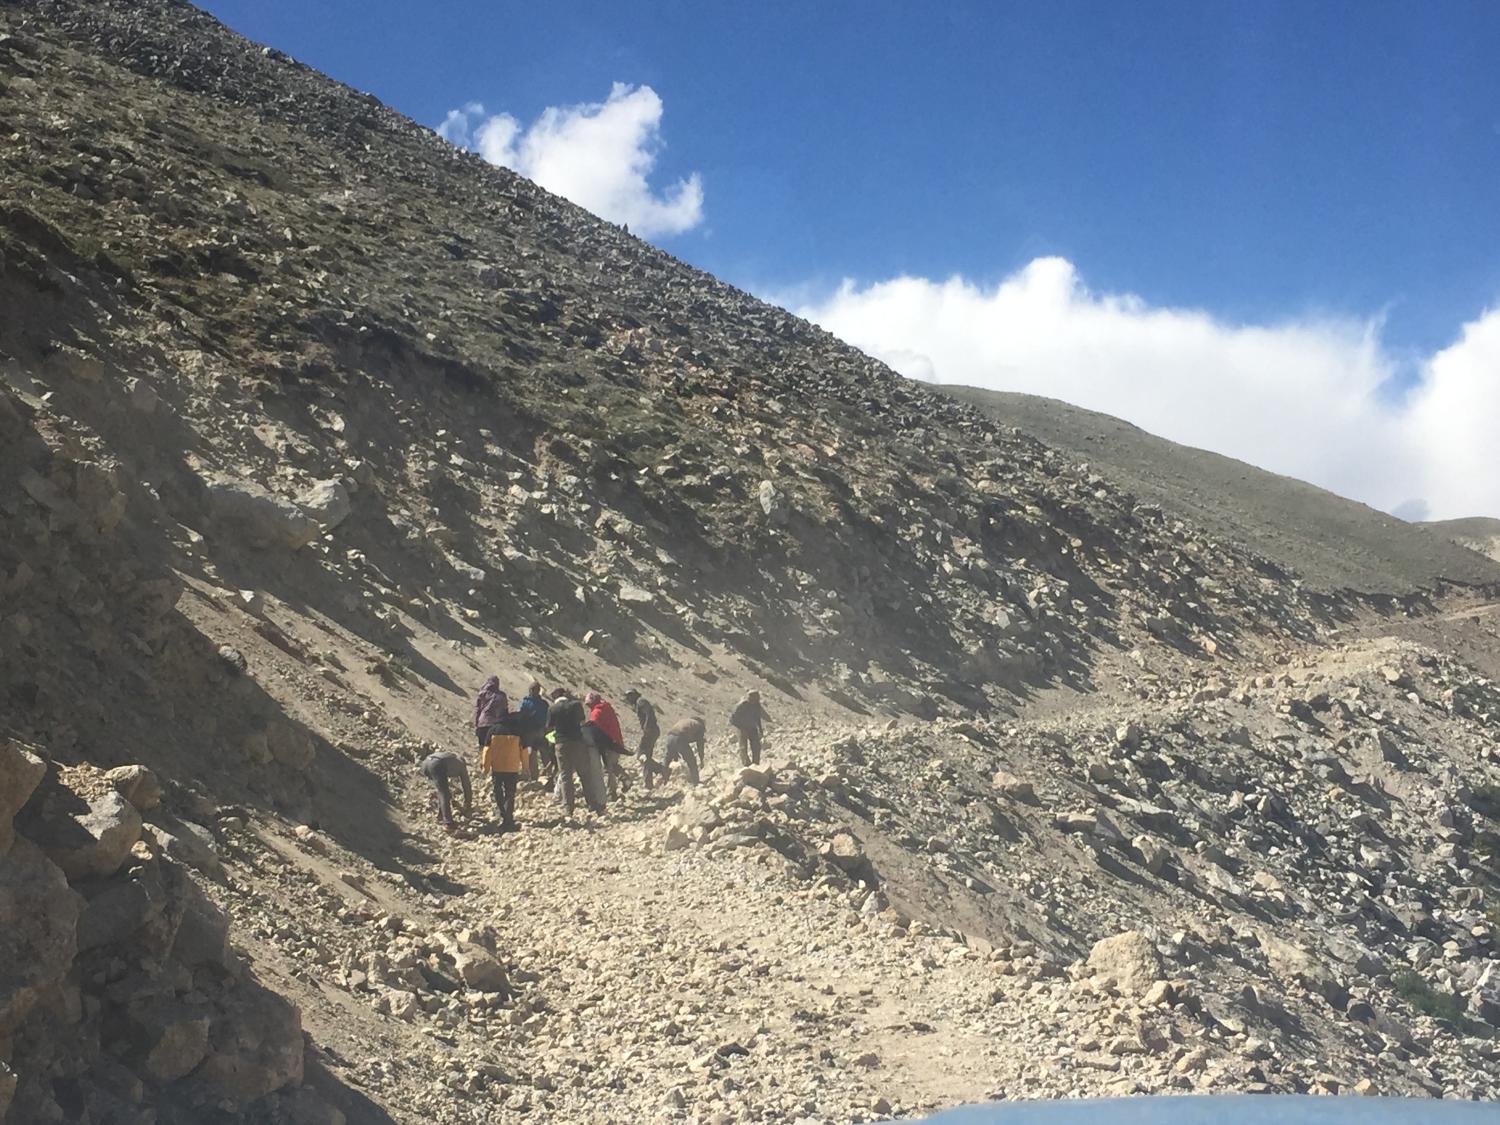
(681, 741)
(603, 728)
(532, 713)
(439, 769)
(489, 708)
(504, 756)
(645, 715)
(576, 759)
(748, 719)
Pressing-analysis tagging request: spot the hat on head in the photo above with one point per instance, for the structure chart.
(632, 695)
(592, 698)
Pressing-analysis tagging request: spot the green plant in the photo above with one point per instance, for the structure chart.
(1486, 800)
(1487, 847)
(1441, 1006)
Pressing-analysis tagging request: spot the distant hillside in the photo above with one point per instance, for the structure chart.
(1330, 542)
(1478, 533)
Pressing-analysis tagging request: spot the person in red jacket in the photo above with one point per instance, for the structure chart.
(607, 736)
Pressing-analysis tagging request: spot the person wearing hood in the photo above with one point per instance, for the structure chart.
(645, 715)
(490, 708)
(576, 759)
(603, 728)
(504, 756)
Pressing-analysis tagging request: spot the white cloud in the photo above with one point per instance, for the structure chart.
(1308, 398)
(599, 155)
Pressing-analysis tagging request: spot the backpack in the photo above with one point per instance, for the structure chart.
(533, 712)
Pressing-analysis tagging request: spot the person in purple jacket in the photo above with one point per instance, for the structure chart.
(489, 709)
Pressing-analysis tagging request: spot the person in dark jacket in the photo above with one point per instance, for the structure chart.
(645, 715)
(682, 739)
(576, 759)
(489, 708)
(440, 769)
(748, 719)
(532, 712)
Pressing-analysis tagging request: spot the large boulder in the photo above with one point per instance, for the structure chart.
(136, 784)
(188, 843)
(20, 773)
(203, 933)
(255, 1047)
(262, 517)
(291, 745)
(1292, 963)
(170, 1037)
(38, 930)
(118, 910)
(327, 501)
(1129, 960)
(92, 843)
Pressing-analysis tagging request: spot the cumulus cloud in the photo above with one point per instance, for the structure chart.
(600, 155)
(1312, 399)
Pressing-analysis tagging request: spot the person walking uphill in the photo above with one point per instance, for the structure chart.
(532, 715)
(645, 715)
(576, 759)
(748, 719)
(439, 769)
(504, 757)
(489, 708)
(604, 730)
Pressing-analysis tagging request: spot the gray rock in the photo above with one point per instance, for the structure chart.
(291, 745)
(255, 1047)
(38, 930)
(328, 502)
(1129, 960)
(203, 934)
(264, 518)
(136, 784)
(172, 1038)
(773, 503)
(118, 911)
(188, 843)
(92, 844)
(20, 772)
(1009, 785)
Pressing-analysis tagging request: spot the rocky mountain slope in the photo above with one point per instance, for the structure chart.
(309, 422)
(1477, 533)
(1330, 543)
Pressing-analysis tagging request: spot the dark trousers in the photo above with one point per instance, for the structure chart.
(750, 747)
(648, 743)
(680, 750)
(505, 797)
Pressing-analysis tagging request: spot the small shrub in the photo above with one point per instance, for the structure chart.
(1441, 1006)
(1486, 800)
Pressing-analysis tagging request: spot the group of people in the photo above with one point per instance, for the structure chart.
(575, 747)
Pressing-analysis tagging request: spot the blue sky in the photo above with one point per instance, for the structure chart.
(1262, 164)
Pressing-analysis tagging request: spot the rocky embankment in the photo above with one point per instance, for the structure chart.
(121, 999)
